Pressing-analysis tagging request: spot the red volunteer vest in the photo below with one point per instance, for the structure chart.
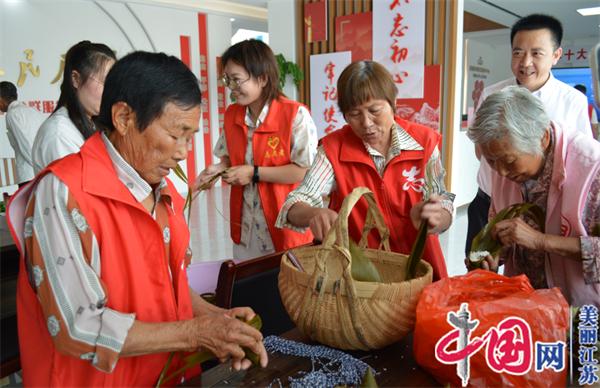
(271, 146)
(133, 269)
(396, 193)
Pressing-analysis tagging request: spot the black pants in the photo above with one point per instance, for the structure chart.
(478, 217)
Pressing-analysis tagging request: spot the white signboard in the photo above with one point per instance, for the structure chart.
(575, 55)
(399, 43)
(325, 70)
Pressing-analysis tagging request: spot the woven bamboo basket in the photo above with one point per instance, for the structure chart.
(330, 307)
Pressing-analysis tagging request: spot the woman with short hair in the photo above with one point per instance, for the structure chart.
(267, 144)
(398, 160)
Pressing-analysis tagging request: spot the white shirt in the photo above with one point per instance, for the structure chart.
(562, 103)
(254, 229)
(57, 137)
(594, 116)
(22, 124)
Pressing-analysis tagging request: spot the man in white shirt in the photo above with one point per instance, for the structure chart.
(22, 124)
(535, 43)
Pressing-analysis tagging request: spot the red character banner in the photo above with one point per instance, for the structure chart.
(324, 72)
(399, 26)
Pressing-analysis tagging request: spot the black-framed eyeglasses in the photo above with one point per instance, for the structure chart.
(232, 83)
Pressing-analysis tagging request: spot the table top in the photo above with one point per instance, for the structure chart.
(395, 366)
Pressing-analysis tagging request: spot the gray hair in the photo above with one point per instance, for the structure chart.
(512, 112)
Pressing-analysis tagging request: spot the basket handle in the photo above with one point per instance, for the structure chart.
(339, 231)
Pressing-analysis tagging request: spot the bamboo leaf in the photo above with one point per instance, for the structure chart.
(180, 173)
(368, 380)
(362, 268)
(213, 178)
(164, 370)
(189, 362)
(256, 323)
(484, 242)
(188, 205)
(416, 252)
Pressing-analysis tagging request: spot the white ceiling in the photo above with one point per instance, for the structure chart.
(506, 12)
(254, 3)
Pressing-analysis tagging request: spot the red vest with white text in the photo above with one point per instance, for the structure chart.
(133, 270)
(396, 192)
(271, 146)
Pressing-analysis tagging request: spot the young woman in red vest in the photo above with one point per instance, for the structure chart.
(398, 160)
(267, 145)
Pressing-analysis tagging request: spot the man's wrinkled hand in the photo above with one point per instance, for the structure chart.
(225, 335)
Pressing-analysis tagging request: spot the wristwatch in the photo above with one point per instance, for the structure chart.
(255, 176)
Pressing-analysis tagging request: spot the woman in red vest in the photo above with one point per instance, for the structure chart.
(102, 294)
(267, 145)
(398, 160)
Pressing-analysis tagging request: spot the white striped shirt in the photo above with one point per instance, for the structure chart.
(254, 228)
(319, 180)
(64, 265)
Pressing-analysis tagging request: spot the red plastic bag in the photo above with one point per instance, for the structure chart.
(491, 299)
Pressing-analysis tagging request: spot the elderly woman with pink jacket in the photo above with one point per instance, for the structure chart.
(536, 161)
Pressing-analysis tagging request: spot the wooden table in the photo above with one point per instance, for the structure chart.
(395, 366)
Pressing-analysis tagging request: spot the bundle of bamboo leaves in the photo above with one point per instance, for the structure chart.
(484, 244)
(363, 269)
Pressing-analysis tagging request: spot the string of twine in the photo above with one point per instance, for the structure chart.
(215, 207)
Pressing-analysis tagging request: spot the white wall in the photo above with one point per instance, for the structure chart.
(461, 182)
(575, 45)
(494, 49)
(282, 36)
(123, 26)
(488, 50)
(491, 50)
(217, 44)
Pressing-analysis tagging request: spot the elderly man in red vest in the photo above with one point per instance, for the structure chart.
(102, 294)
(398, 160)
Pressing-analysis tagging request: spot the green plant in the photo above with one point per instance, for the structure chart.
(288, 68)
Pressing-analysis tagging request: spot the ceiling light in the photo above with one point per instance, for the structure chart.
(589, 11)
(232, 19)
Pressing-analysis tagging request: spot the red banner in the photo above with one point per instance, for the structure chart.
(206, 126)
(186, 55)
